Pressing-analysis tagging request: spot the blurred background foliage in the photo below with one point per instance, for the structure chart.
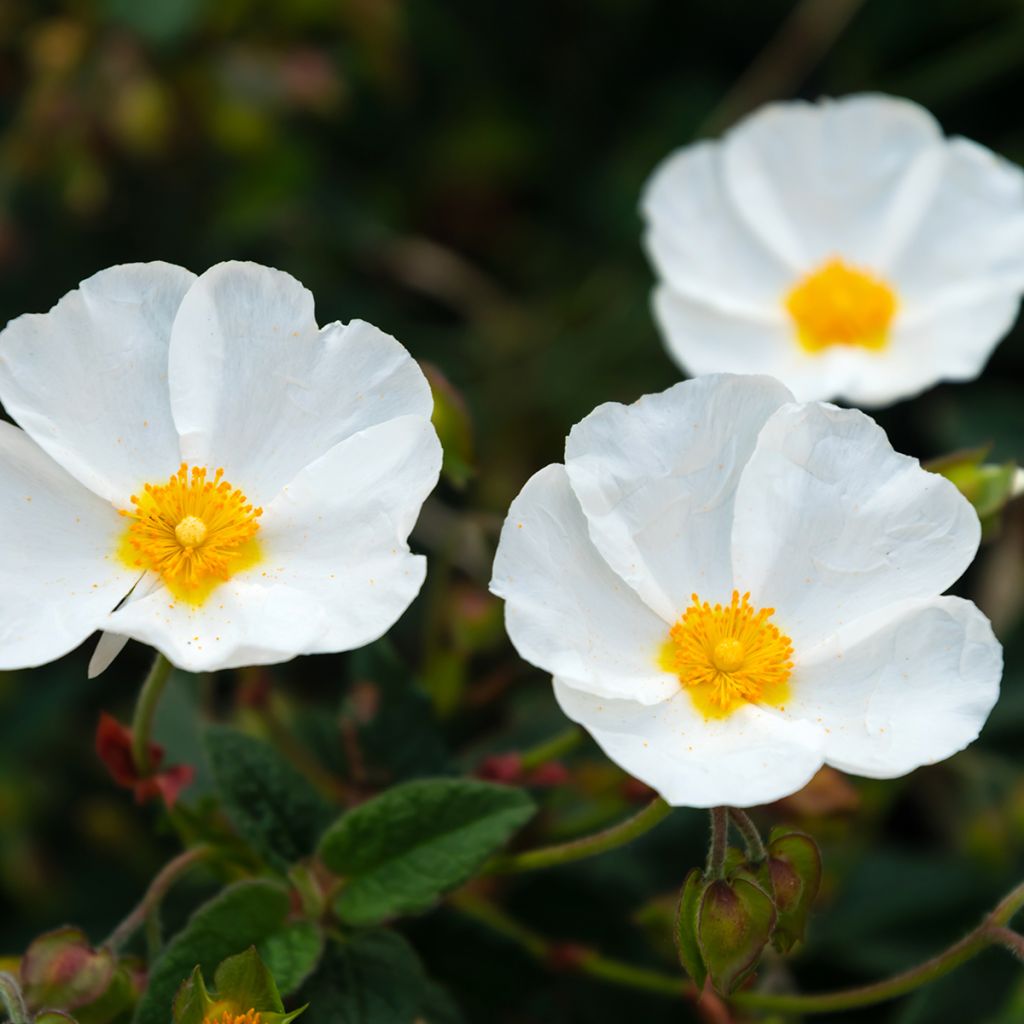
(465, 175)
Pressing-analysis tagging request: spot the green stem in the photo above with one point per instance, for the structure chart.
(751, 837)
(587, 846)
(585, 961)
(990, 932)
(145, 710)
(145, 912)
(718, 843)
(552, 749)
(10, 999)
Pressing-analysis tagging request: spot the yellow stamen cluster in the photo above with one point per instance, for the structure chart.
(194, 530)
(227, 1017)
(727, 655)
(841, 305)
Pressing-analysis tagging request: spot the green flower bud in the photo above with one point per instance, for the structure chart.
(735, 921)
(795, 865)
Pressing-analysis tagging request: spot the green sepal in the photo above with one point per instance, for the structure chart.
(734, 924)
(242, 983)
(795, 864)
(192, 1003)
(244, 979)
(685, 931)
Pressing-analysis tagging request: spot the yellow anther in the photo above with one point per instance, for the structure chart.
(841, 305)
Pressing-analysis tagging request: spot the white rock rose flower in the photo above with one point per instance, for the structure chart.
(204, 469)
(732, 589)
(846, 247)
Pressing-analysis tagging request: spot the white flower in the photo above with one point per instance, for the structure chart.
(732, 589)
(197, 444)
(847, 248)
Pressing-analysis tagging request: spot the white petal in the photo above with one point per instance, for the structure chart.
(59, 574)
(88, 380)
(336, 571)
(910, 691)
(566, 611)
(850, 176)
(970, 243)
(752, 757)
(108, 647)
(697, 242)
(656, 481)
(259, 390)
(832, 524)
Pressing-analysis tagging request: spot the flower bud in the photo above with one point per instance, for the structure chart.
(795, 865)
(60, 969)
(734, 924)
(687, 946)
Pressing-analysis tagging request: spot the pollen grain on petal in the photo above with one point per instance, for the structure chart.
(195, 531)
(728, 655)
(841, 305)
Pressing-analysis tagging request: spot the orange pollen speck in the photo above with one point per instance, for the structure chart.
(191, 530)
(841, 305)
(251, 1017)
(728, 655)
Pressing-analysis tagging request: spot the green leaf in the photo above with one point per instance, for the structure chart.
(401, 850)
(270, 804)
(734, 924)
(240, 916)
(686, 927)
(292, 954)
(374, 977)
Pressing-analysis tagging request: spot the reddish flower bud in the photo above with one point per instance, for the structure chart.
(114, 747)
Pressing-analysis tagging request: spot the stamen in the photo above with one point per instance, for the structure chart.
(726, 656)
(194, 531)
(841, 305)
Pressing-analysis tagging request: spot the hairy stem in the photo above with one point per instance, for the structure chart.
(145, 711)
(583, 960)
(751, 837)
(158, 889)
(991, 931)
(11, 1001)
(718, 843)
(587, 846)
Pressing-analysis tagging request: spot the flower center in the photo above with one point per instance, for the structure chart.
(841, 305)
(227, 1017)
(728, 655)
(195, 531)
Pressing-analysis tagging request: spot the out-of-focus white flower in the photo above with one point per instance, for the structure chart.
(731, 589)
(204, 469)
(846, 247)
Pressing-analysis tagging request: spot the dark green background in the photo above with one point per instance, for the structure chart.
(465, 175)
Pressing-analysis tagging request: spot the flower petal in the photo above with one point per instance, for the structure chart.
(566, 611)
(656, 481)
(752, 757)
(832, 524)
(88, 380)
(698, 243)
(851, 176)
(59, 575)
(902, 693)
(336, 570)
(970, 243)
(259, 390)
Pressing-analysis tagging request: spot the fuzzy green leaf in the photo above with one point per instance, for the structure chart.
(401, 850)
(270, 804)
(292, 954)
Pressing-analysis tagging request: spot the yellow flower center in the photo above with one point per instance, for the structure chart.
(841, 305)
(727, 655)
(196, 532)
(227, 1017)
